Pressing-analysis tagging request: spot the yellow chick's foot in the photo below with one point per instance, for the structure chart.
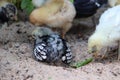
(118, 50)
(95, 55)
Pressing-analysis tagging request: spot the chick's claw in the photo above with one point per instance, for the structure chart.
(103, 57)
(95, 55)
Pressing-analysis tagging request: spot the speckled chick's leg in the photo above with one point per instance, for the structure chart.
(118, 50)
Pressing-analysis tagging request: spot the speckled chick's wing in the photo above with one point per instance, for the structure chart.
(52, 48)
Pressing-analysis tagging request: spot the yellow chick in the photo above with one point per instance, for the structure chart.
(113, 2)
(54, 14)
(107, 32)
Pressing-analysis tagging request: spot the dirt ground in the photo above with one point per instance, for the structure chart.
(17, 62)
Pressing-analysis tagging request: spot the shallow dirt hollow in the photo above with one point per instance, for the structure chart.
(17, 62)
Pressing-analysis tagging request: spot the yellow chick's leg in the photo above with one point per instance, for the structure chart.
(105, 54)
(118, 50)
(65, 28)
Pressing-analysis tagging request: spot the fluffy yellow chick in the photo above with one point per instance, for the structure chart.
(55, 14)
(107, 32)
(113, 2)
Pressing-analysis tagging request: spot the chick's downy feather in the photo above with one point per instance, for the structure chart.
(55, 14)
(107, 31)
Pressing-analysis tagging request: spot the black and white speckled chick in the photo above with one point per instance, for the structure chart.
(50, 47)
(8, 12)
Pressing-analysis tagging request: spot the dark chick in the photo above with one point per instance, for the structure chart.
(8, 12)
(50, 47)
(87, 8)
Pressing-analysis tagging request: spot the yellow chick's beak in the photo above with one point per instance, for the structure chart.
(92, 50)
(94, 54)
(89, 51)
